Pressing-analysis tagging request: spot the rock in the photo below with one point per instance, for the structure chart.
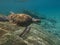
(9, 39)
(2, 32)
(9, 35)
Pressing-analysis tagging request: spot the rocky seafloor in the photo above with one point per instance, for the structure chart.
(9, 35)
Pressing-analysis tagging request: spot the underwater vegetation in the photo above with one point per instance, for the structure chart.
(37, 35)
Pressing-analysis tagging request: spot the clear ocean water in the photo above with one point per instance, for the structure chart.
(49, 8)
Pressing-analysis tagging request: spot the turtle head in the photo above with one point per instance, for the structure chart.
(35, 20)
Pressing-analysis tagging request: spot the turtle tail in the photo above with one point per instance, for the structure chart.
(3, 19)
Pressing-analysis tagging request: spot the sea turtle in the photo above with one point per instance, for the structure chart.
(21, 20)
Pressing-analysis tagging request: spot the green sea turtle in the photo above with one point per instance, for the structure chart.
(21, 20)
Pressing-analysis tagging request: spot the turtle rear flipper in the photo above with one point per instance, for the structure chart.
(11, 12)
(3, 19)
(27, 29)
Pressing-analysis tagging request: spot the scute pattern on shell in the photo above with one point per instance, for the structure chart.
(20, 19)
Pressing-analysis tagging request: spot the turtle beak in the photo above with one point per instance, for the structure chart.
(36, 20)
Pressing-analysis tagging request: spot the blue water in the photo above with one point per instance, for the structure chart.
(50, 9)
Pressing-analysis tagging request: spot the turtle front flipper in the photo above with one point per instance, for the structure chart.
(27, 29)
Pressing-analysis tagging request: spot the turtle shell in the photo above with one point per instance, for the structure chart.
(20, 19)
